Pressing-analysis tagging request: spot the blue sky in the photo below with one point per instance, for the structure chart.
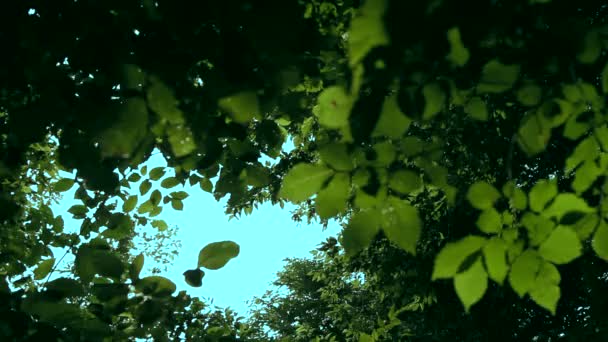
(266, 238)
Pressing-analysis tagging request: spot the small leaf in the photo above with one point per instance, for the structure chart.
(157, 173)
(451, 257)
(332, 200)
(482, 195)
(194, 277)
(78, 210)
(129, 204)
(523, 272)
(337, 157)
(533, 135)
(494, 253)
(177, 204)
(134, 177)
(333, 107)
(217, 254)
(63, 185)
(600, 241)
(206, 185)
(471, 284)
(144, 187)
(180, 195)
(517, 197)
(434, 99)
(562, 246)
(490, 221)
(392, 123)
(303, 181)
(497, 77)
(161, 225)
(44, 268)
(541, 193)
(360, 231)
(169, 182)
(459, 54)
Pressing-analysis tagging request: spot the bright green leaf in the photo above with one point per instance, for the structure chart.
(242, 107)
(471, 284)
(562, 246)
(367, 30)
(459, 54)
(360, 231)
(600, 241)
(392, 123)
(177, 204)
(523, 272)
(161, 225)
(129, 204)
(404, 181)
(401, 224)
(434, 99)
(303, 181)
(337, 157)
(533, 135)
(494, 253)
(449, 259)
(482, 195)
(63, 185)
(565, 203)
(541, 193)
(332, 200)
(333, 107)
(490, 221)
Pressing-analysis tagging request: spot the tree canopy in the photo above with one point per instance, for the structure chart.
(463, 146)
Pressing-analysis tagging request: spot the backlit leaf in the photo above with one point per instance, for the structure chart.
(565, 203)
(144, 187)
(404, 181)
(136, 267)
(459, 54)
(392, 123)
(242, 107)
(303, 181)
(490, 221)
(600, 241)
(541, 193)
(482, 195)
(449, 259)
(494, 253)
(401, 224)
(157, 173)
(169, 182)
(337, 157)
(129, 204)
(360, 231)
(523, 272)
(333, 107)
(562, 246)
(367, 30)
(471, 284)
(217, 254)
(497, 77)
(332, 200)
(44, 268)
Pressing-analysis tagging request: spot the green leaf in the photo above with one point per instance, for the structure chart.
(78, 210)
(162, 101)
(206, 185)
(63, 185)
(134, 177)
(533, 135)
(155, 286)
(592, 47)
(303, 181)
(562, 246)
(482, 195)
(434, 99)
(600, 241)
(161, 225)
(449, 259)
(194, 277)
(360, 231)
(497, 77)
(64, 287)
(332, 200)
(157, 173)
(337, 157)
(471, 284)
(565, 203)
(401, 224)
(490, 221)
(257, 176)
(605, 79)
(44, 268)
(588, 149)
(136, 267)
(517, 197)
(177, 204)
(145, 207)
(333, 107)
(392, 123)
(180, 195)
(129, 204)
(144, 187)
(367, 30)
(130, 127)
(90, 261)
(541, 193)
(477, 109)
(546, 291)
(459, 54)
(169, 182)
(242, 106)
(523, 272)
(494, 253)
(181, 139)
(539, 227)
(404, 181)
(529, 95)
(217, 254)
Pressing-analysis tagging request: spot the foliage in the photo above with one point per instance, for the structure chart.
(475, 146)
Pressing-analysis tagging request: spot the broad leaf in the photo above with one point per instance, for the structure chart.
(392, 123)
(459, 54)
(451, 257)
(541, 193)
(600, 241)
(303, 181)
(136, 267)
(332, 200)
(546, 291)
(497, 77)
(63, 185)
(367, 30)
(217, 254)
(404, 181)
(44, 268)
(401, 224)
(482, 195)
(471, 284)
(523, 272)
(490, 221)
(360, 231)
(566, 203)
(477, 109)
(169, 182)
(333, 107)
(157, 173)
(242, 107)
(337, 157)
(129, 204)
(494, 253)
(155, 286)
(562, 246)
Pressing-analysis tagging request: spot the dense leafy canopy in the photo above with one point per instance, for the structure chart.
(450, 145)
